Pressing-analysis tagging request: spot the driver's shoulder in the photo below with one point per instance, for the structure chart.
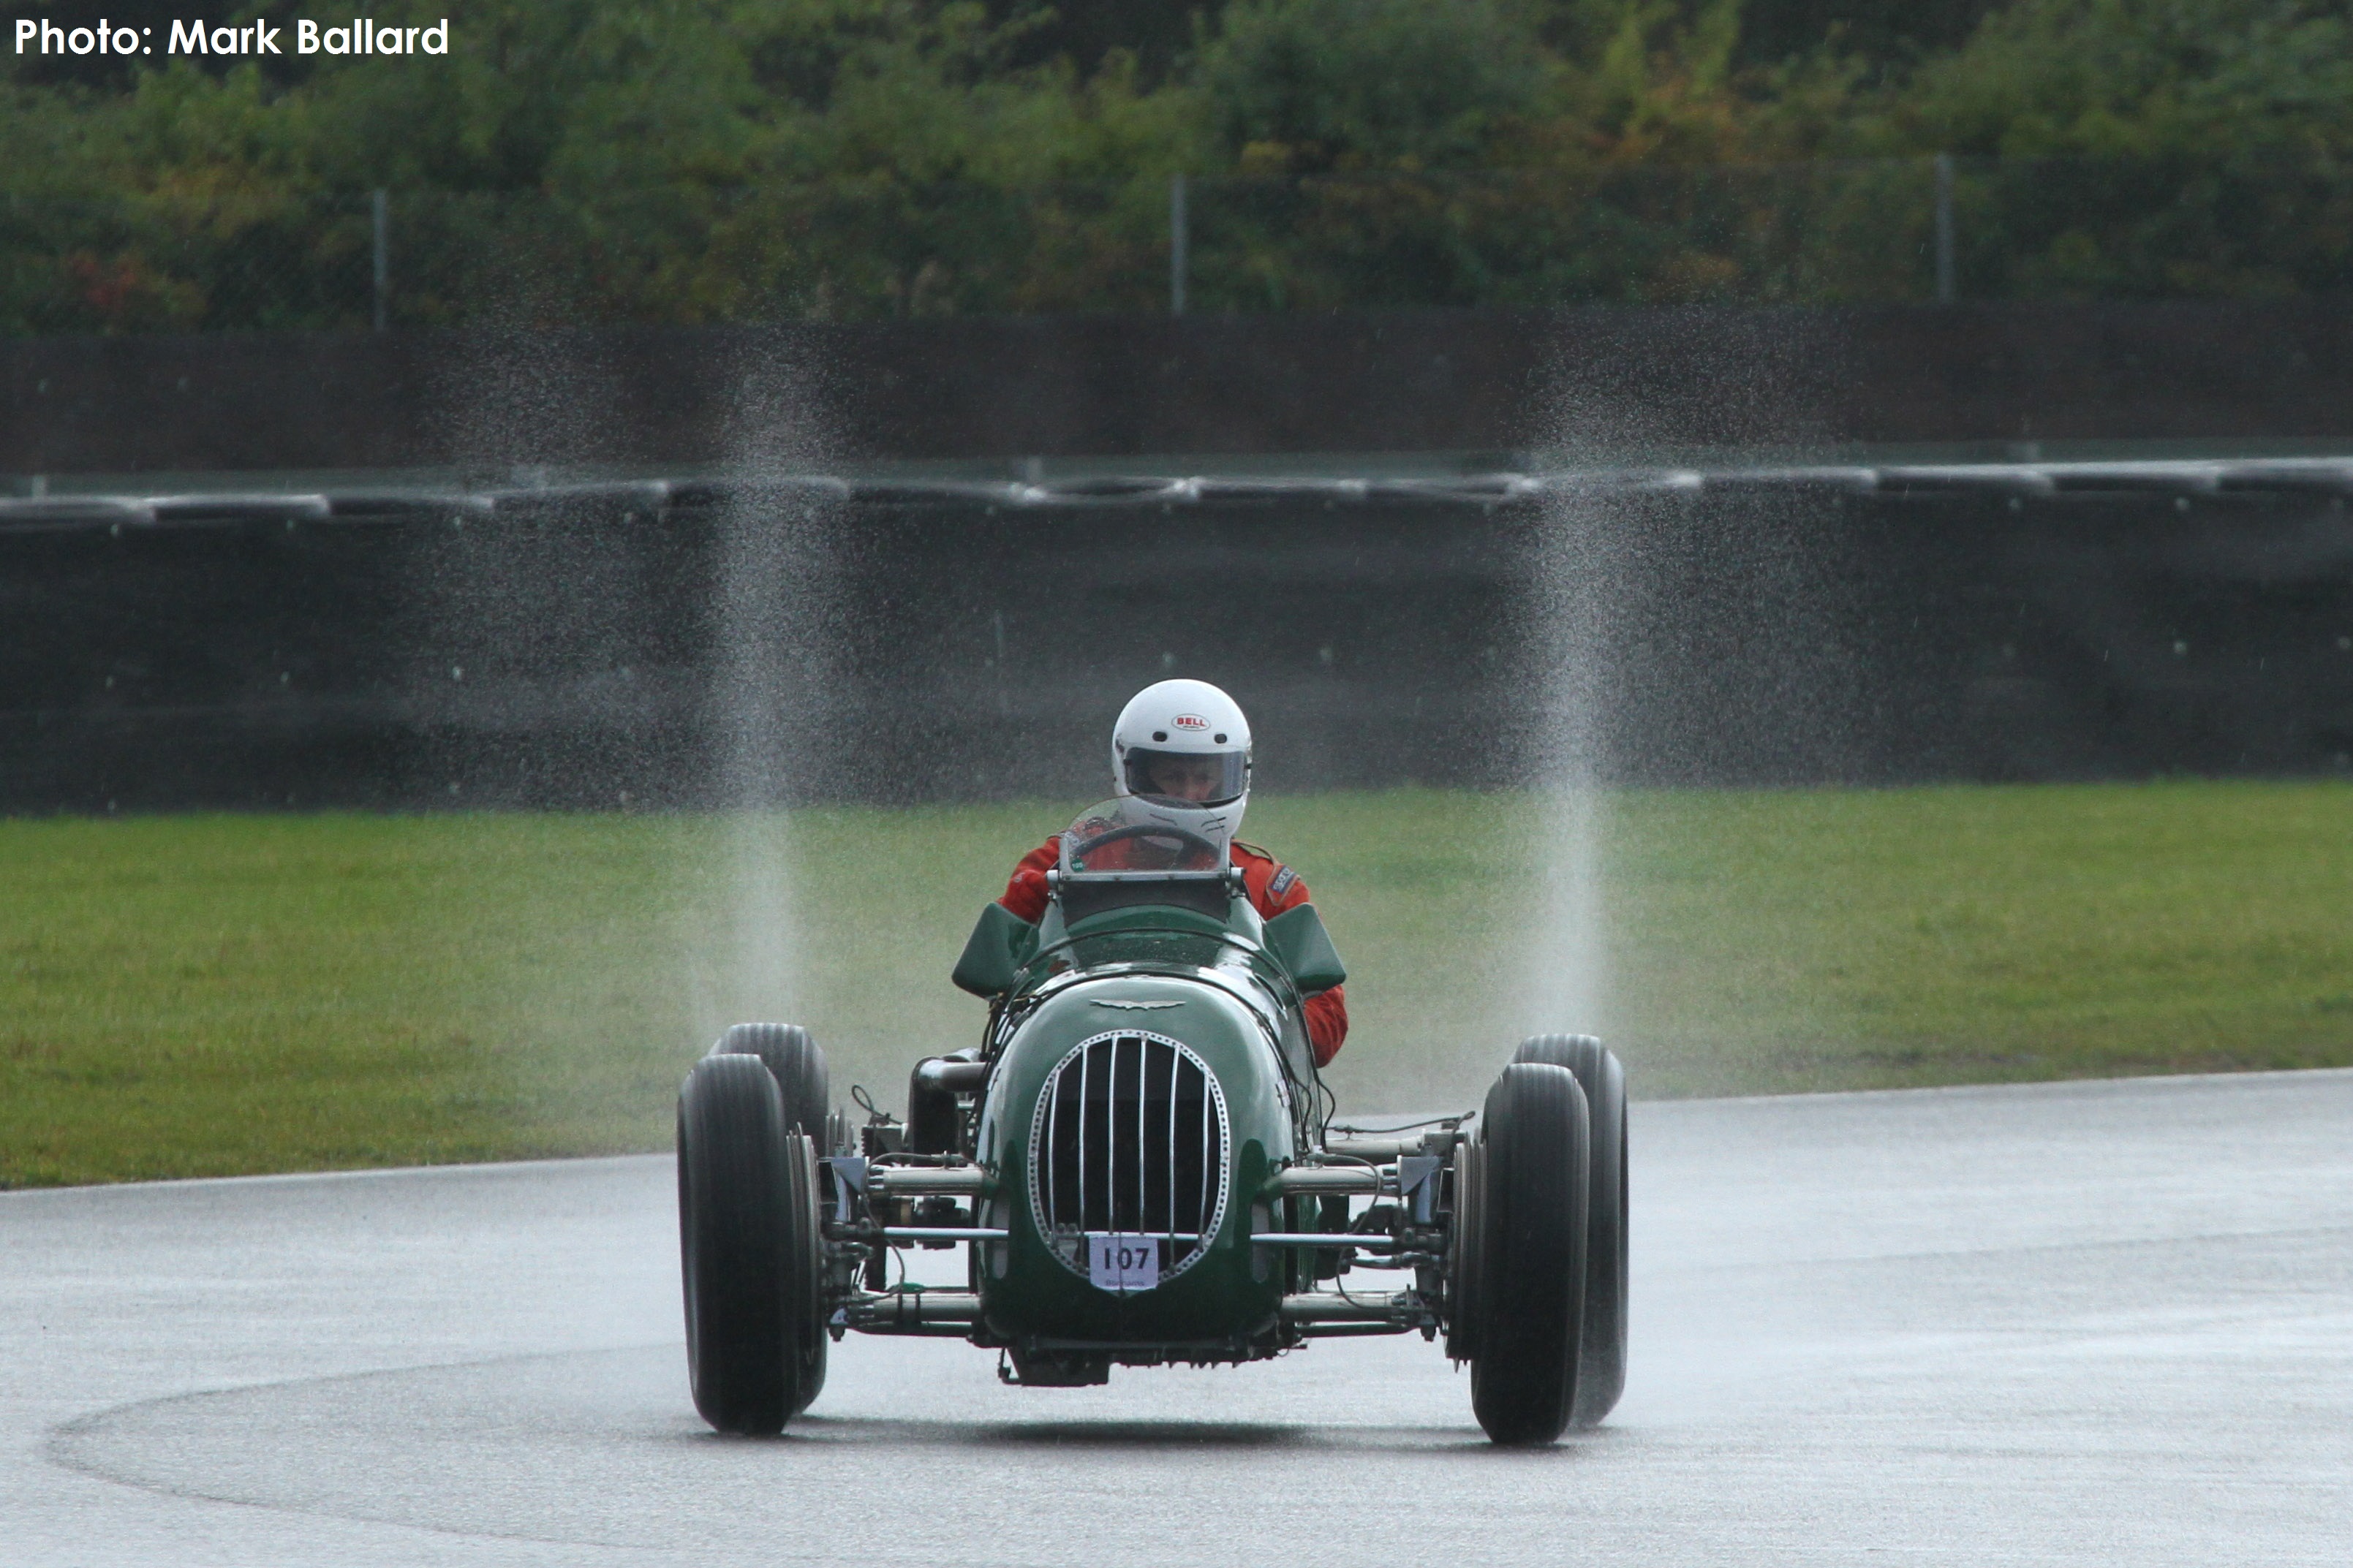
(1273, 885)
(1244, 853)
(1038, 860)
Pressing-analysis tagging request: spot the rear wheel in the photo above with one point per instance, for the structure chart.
(1601, 1363)
(1529, 1296)
(797, 1064)
(749, 1247)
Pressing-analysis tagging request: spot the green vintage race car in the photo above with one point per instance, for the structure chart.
(1139, 1162)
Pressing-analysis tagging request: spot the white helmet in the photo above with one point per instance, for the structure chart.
(1184, 740)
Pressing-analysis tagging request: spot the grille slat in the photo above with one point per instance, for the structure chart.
(1142, 1165)
(1085, 1062)
(1130, 1129)
(1173, 1065)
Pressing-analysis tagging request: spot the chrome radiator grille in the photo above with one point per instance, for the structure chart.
(1130, 1139)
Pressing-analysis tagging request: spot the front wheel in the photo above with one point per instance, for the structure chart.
(1529, 1254)
(750, 1250)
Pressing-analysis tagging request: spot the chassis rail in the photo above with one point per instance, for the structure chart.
(940, 1312)
(866, 1194)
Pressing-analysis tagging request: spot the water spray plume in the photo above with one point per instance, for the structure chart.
(770, 685)
(1572, 581)
(1630, 593)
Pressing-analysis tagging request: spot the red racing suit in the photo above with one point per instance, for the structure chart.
(1273, 887)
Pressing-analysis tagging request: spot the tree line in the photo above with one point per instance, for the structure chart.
(699, 160)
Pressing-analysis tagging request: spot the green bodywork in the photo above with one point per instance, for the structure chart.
(1229, 990)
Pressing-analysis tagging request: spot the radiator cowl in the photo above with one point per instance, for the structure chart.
(1130, 1137)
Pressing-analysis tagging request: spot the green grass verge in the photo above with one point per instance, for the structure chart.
(197, 996)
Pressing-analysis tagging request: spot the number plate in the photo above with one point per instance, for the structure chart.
(1123, 1263)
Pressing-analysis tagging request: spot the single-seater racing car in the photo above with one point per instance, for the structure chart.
(1139, 1162)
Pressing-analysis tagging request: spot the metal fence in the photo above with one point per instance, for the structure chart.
(1886, 231)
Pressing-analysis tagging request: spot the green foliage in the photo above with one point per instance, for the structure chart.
(1304, 86)
(1886, 38)
(707, 160)
(2145, 147)
(2140, 78)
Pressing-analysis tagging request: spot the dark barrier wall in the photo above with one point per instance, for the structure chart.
(709, 645)
(1409, 381)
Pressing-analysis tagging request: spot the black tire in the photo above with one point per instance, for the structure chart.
(797, 1064)
(1530, 1287)
(749, 1249)
(1602, 1368)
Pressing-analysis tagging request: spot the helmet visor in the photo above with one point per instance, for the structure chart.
(1197, 778)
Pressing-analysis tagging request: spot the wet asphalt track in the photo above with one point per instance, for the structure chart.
(2083, 1324)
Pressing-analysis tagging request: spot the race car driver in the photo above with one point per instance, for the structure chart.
(1188, 740)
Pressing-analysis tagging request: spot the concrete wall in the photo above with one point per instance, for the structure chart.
(600, 650)
(1409, 381)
